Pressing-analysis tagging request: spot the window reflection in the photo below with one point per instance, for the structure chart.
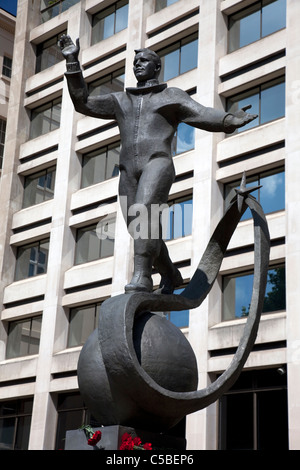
(237, 292)
(160, 4)
(24, 337)
(267, 101)
(83, 321)
(95, 241)
(100, 165)
(271, 195)
(177, 220)
(39, 187)
(178, 318)
(179, 58)
(255, 22)
(45, 118)
(111, 83)
(32, 260)
(110, 21)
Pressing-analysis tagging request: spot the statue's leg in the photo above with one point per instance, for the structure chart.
(149, 248)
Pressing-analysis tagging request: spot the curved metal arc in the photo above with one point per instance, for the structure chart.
(141, 386)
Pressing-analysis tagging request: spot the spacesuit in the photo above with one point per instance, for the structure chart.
(147, 116)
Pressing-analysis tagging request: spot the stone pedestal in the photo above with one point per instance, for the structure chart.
(112, 435)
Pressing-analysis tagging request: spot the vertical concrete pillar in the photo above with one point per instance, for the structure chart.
(293, 220)
(16, 134)
(207, 213)
(61, 253)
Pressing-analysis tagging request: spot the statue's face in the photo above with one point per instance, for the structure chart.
(144, 67)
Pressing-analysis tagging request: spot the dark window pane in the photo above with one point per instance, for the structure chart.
(237, 412)
(82, 324)
(7, 430)
(15, 419)
(256, 417)
(275, 290)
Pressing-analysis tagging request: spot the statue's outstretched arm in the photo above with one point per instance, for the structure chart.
(211, 119)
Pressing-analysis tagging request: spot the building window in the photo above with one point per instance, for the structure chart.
(32, 260)
(2, 140)
(179, 58)
(237, 292)
(271, 195)
(96, 241)
(7, 66)
(82, 322)
(100, 165)
(111, 83)
(179, 318)
(24, 337)
(45, 118)
(15, 420)
(39, 187)
(253, 414)
(267, 100)
(177, 221)
(52, 8)
(255, 22)
(110, 21)
(71, 414)
(184, 139)
(47, 53)
(160, 4)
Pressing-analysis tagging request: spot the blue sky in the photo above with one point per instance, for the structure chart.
(9, 5)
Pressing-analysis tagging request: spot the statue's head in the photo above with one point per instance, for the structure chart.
(146, 65)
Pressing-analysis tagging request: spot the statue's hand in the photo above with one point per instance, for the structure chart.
(239, 119)
(69, 50)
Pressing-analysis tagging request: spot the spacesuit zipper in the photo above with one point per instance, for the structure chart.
(136, 124)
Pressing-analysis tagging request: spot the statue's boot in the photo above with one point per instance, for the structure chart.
(141, 280)
(170, 275)
(170, 281)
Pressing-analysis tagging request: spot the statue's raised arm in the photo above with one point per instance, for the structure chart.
(70, 51)
(99, 106)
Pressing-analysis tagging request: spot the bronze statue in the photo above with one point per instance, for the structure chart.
(137, 369)
(147, 116)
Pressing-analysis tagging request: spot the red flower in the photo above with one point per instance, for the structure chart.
(137, 441)
(92, 441)
(147, 446)
(126, 442)
(129, 443)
